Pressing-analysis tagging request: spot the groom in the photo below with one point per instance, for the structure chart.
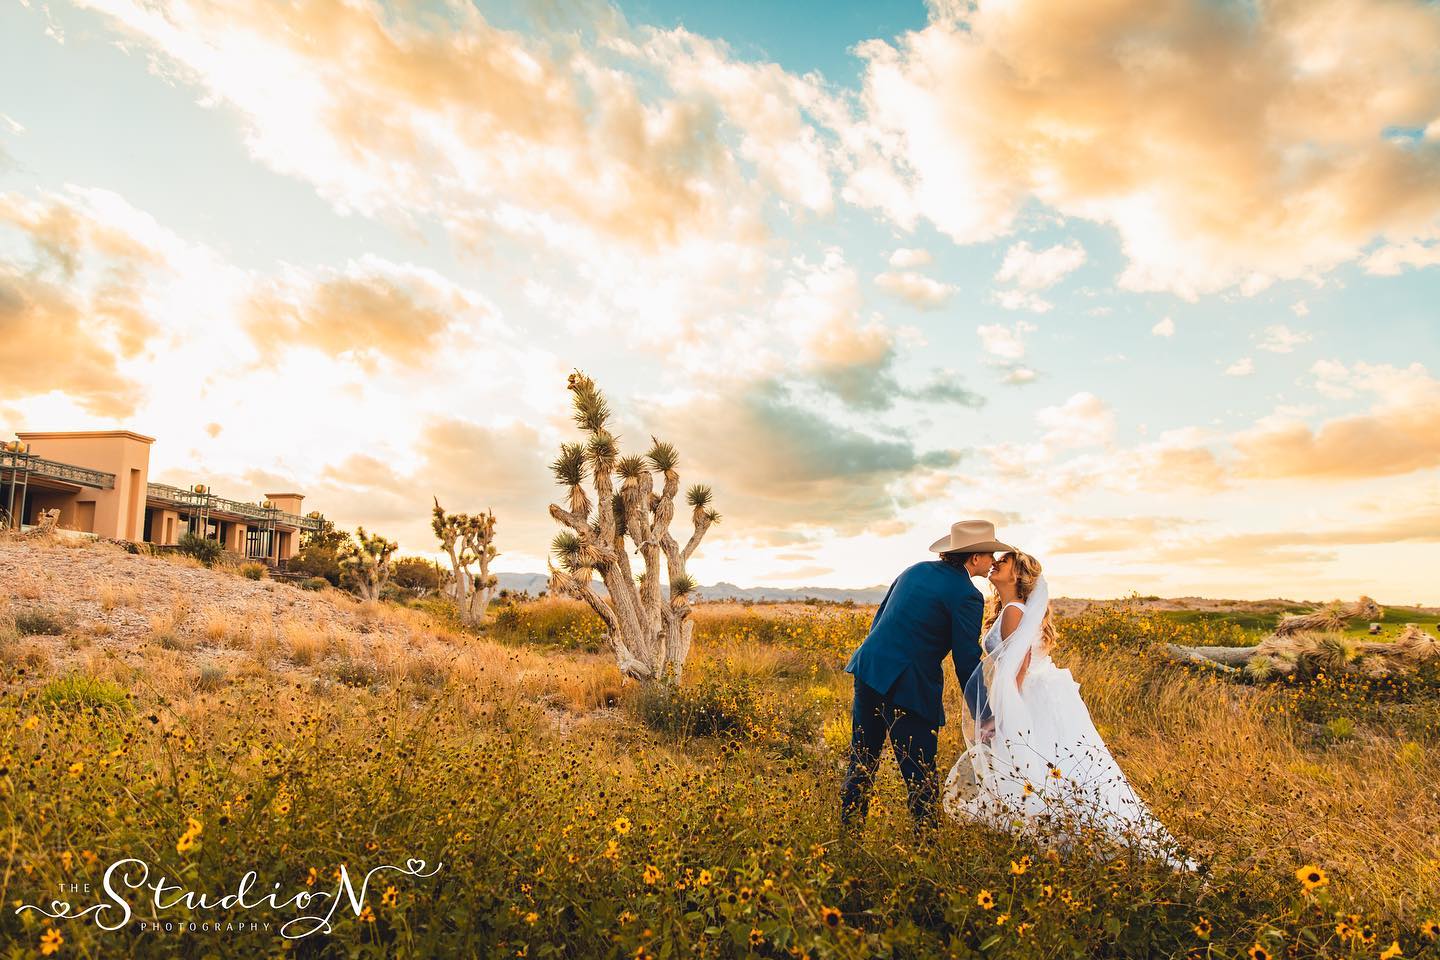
(931, 610)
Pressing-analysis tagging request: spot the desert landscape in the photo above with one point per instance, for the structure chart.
(156, 707)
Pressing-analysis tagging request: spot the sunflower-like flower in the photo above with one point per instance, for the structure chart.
(832, 917)
(985, 899)
(1257, 952)
(1311, 877)
(1202, 928)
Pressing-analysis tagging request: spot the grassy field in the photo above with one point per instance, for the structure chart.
(575, 816)
(1391, 622)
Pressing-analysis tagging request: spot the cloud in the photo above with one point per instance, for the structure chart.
(1398, 435)
(1020, 374)
(1005, 343)
(907, 258)
(1281, 339)
(74, 306)
(442, 113)
(779, 467)
(1115, 534)
(1022, 300)
(1039, 269)
(469, 466)
(370, 311)
(1084, 420)
(1165, 328)
(1394, 258)
(1243, 367)
(918, 290)
(1227, 144)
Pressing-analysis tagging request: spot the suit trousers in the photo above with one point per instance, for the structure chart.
(914, 739)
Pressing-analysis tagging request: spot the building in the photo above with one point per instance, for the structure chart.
(100, 482)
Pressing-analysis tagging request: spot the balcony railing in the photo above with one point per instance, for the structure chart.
(211, 503)
(13, 463)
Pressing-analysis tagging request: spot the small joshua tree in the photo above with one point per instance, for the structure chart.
(650, 633)
(365, 563)
(468, 540)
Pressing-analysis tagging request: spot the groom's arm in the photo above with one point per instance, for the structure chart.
(886, 599)
(965, 651)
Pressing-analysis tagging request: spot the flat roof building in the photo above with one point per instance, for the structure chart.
(99, 481)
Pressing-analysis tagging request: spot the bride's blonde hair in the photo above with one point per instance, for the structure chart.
(1027, 571)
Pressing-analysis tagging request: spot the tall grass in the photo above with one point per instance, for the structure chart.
(579, 817)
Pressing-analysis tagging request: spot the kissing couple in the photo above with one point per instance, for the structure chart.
(1033, 756)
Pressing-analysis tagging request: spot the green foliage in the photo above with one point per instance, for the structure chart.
(78, 690)
(314, 583)
(415, 575)
(1340, 728)
(205, 550)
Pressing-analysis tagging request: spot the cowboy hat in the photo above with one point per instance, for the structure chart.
(970, 536)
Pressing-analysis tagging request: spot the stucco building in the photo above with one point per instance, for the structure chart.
(99, 480)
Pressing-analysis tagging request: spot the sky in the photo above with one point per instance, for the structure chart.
(1151, 285)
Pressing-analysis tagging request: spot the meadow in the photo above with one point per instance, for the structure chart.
(578, 816)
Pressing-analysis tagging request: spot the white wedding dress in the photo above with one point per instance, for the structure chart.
(1046, 768)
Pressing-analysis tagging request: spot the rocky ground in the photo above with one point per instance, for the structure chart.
(110, 601)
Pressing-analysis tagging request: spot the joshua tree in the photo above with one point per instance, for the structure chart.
(468, 540)
(365, 562)
(650, 632)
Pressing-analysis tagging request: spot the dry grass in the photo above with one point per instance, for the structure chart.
(1230, 772)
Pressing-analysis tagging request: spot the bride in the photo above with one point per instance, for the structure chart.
(1036, 760)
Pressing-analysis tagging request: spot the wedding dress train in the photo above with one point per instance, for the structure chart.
(1046, 768)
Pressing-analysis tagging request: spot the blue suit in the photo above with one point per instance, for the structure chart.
(931, 611)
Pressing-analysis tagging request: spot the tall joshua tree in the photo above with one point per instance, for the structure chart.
(468, 539)
(650, 633)
(365, 562)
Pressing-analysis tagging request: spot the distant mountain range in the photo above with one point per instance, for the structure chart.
(534, 583)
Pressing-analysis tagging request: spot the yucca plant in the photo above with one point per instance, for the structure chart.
(649, 631)
(468, 540)
(365, 562)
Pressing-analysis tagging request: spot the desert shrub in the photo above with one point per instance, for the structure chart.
(211, 676)
(313, 583)
(42, 621)
(354, 672)
(723, 704)
(254, 571)
(200, 548)
(75, 690)
(1119, 625)
(555, 622)
(416, 575)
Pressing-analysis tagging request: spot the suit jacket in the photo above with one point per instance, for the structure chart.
(931, 610)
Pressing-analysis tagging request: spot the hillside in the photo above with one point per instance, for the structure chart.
(255, 726)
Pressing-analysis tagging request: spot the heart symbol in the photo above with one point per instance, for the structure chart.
(413, 866)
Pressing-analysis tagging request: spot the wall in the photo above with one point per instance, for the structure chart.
(119, 513)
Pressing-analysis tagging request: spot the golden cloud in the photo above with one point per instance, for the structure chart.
(372, 311)
(76, 310)
(395, 111)
(1227, 143)
(1398, 435)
